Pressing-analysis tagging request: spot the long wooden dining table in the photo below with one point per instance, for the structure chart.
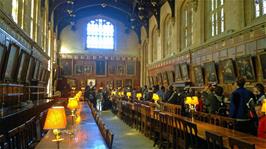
(86, 134)
(202, 127)
(224, 132)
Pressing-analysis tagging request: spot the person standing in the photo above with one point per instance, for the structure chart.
(238, 107)
(259, 93)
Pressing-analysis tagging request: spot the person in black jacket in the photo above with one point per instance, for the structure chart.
(168, 93)
(215, 102)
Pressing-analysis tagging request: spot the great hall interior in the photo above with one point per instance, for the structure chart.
(132, 74)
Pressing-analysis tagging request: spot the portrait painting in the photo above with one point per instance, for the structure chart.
(263, 65)
(66, 67)
(184, 71)
(210, 72)
(112, 68)
(128, 83)
(121, 69)
(149, 81)
(165, 78)
(118, 83)
(178, 76)
(198, 74)
(170, 75)
(79, 69)
(101, 68)
(227, 71)
(2, 58)
(131, 68)
(11, 63)
(88, 69)
(155, 80)
(110, 84)
(159, 78)
(245, 68)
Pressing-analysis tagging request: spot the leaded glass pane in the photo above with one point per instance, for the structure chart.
(100, 34)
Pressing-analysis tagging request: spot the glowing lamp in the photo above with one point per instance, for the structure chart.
(56, 119)
(155, 97)
(139, 95)
(121, 93)
(128, 94)
(72, 103)
(113, 93)
(188, 100)
(195, 100)
(263, 107)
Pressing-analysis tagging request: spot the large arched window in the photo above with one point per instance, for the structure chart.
(187, 29)
(154, 44)
(100, 34)
(15, 10)
(167, 36)
(216, 17)
(260, 7)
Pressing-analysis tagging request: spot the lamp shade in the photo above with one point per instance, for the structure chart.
(188, 100)
(113, 93)
(72, 103)
(195, 100)
(56, 118)
(263, 108)
(139, 95)
(128, 94)
(155, 97)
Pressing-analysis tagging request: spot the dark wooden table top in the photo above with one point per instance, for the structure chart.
(86, 134)
(225, 132)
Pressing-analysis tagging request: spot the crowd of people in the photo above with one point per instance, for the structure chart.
(243, 105)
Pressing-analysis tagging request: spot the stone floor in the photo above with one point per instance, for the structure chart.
(125, 137)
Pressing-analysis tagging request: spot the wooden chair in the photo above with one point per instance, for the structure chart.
(3, 144)
(148, 121)
(214, 141)
(171, 131)
(215, 119)
(109, 138)
(235, 143)
(16, 138)
(137, 116)
(163, 130)
(156, 128)
(180, 134)
(31, 132)
(201, 116)
(227, 122)
(178, 109)
(191, 135)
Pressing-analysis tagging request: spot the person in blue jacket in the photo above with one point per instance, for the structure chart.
(239, 109)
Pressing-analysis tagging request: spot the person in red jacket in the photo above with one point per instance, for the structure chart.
(262, 123)
(262, 127)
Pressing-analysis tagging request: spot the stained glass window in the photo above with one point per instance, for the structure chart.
(100, 34)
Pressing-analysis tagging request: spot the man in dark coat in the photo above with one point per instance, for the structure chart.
(90, 93)
(238, 108)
